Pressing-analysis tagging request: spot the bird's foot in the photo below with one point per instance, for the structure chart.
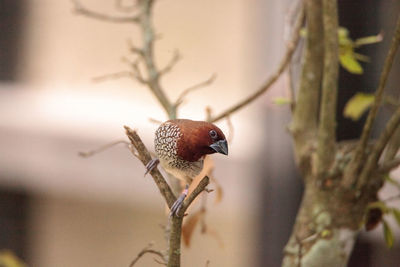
(178, 203)
(151, 165)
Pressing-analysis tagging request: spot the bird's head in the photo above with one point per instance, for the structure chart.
(199, 138)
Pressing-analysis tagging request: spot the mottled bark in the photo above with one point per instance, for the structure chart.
(333, 208)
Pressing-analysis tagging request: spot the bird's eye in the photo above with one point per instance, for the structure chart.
(213, 134)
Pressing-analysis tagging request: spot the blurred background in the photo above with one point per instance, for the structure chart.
(58, 209)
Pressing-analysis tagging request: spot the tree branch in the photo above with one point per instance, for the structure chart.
(393, 145)
(185, 92)
(144, 157)
(376, 153)
(327, 126)
(81, 10)
(359, 153)
(199, 188)
(306, 112)
(273, 78)
(174, 60)
(389, 165)
(153, 73)
(176, 228)
(145, 251)
(305, 116)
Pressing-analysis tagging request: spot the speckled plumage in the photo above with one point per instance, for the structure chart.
(181, 145)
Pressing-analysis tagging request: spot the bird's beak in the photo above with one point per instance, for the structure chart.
(220, 146)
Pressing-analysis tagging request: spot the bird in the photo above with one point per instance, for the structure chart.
(181, 146)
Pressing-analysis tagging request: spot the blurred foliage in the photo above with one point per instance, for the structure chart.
(281, 101)
(357, 105)
(348, 58)
(9, 259)
(384, 209)
(388, 234)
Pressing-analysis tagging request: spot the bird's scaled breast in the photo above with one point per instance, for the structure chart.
(166, 147)
(166, 141)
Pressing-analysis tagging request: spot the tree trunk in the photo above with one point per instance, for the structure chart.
(327, 224)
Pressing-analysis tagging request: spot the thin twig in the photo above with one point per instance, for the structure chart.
(152, 120)
(376, 153)
(193, 88)
(125, 8)
(137, 73)
(291, 47)
(90, 153)
(145, 251)
(112, 76)
(81, 10)
(144, 157)
(359, 154)
(174, 60)
(134, 49)
(231, 129)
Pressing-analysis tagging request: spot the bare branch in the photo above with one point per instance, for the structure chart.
(137, 74)
(144, 157)
(327, 126)
(176, 227)
(176, 57)
(185, 92)
(305, 116)
(273, 78)
(153, 74)
(125, 8)
(134, 49)
(112, 76)
(90, 153)
(199, 188)
(81, 10)
(393, 145)
(147, 250)
(359, 154)
(152, 120)
(379, 146)
(389, 165)
(231, 129)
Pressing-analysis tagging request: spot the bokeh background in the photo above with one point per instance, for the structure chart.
(57, 209)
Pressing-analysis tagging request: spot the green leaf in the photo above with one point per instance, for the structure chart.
(396, 215)
(388, 234)
(350, 63)
(281, 101)
(357, 105)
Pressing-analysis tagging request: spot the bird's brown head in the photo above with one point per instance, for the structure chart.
(199, 138)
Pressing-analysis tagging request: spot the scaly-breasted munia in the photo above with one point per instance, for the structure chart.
(181, 146)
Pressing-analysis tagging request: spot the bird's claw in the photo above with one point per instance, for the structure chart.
(176, 207)
(151, 165)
